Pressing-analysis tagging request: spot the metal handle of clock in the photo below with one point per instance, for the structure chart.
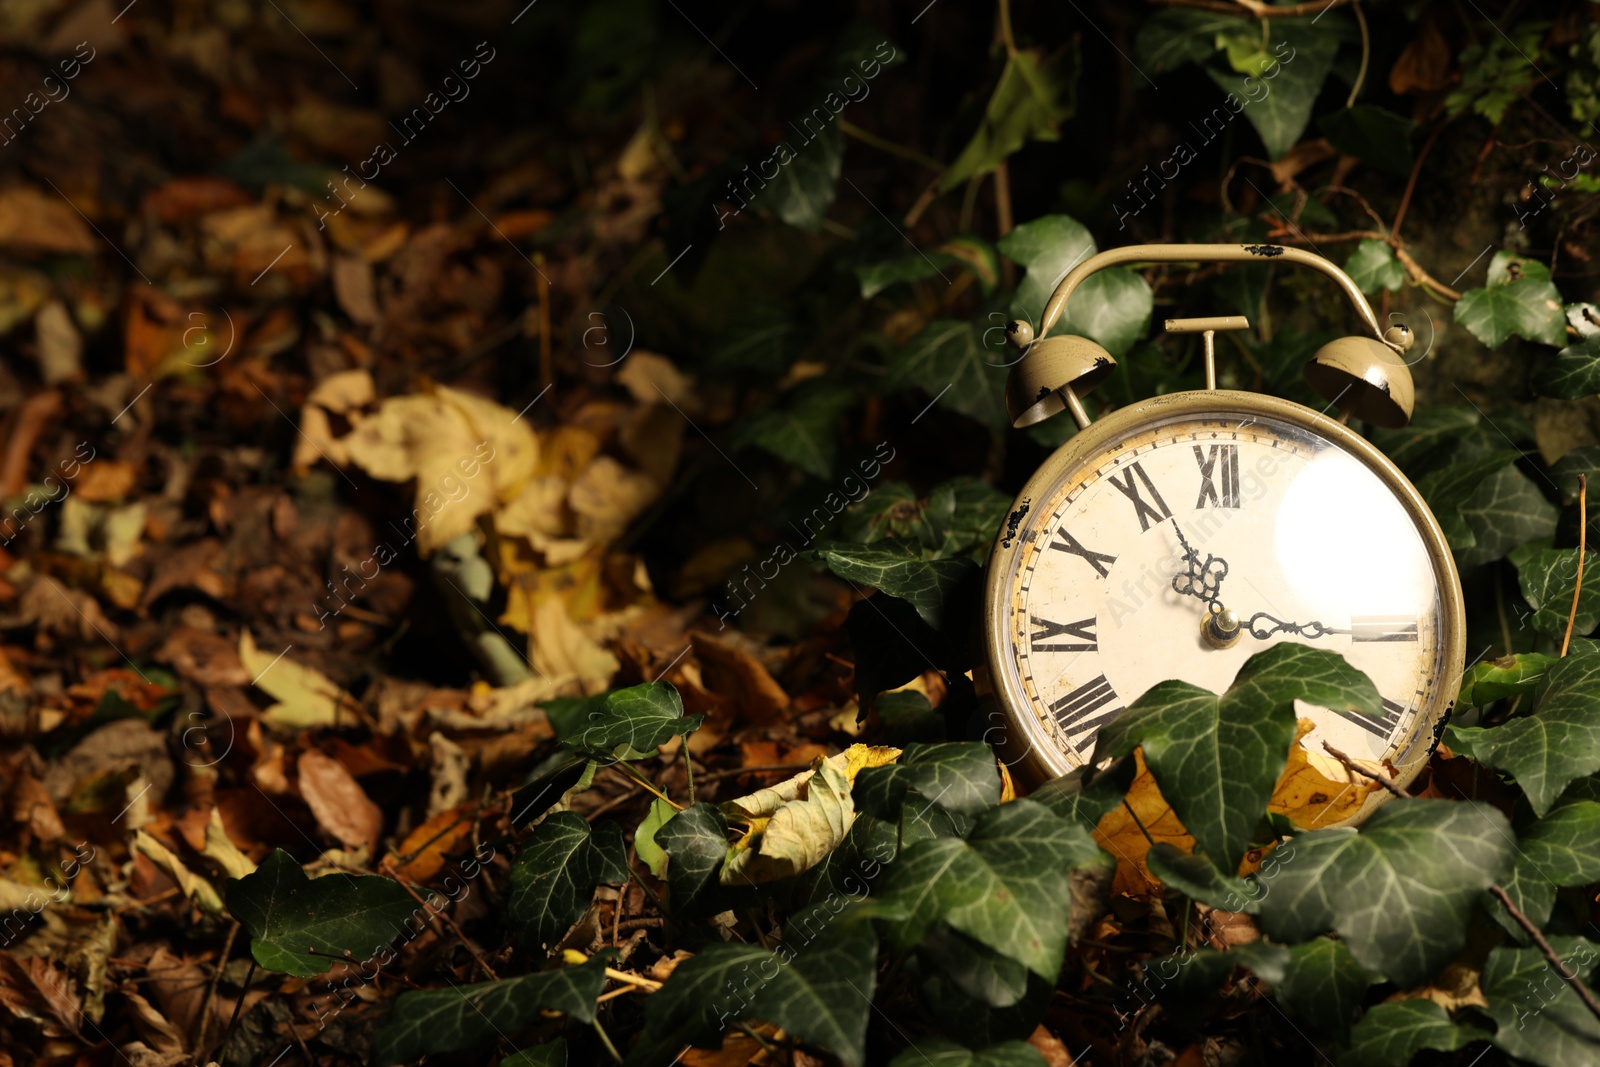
(1116, 257)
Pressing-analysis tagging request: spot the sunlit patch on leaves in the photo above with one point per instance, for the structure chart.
(624, 724)
(1518, 299)
(1509, 676)
(1372, 266)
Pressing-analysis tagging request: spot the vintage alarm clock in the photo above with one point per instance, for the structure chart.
(1179, 536)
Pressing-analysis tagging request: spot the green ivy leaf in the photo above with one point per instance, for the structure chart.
(805, 186)
(1564, 471)
(1505, 511)
(1320, 984)
(976, 969)
(818, 987)
(806, 433)
(696, 843)
(876, 277)
(1006, 885)
(1197, 878)
(1398, 891)
(625, 723)
(899, 570)
(550, 1054)
(1048, 248)
(1561, 849)
(1539, 1018)
(1301, 57)
(1508, 676)
(958, 776)
(1372, 266)
(553, 878)
(644, 838)
(1034, 96)
(1392, 1033)
(1173, 36)
(1374, 135)
(1554, 746)
(1111, 307)
(1575, 373)
(287, 913)
(950, 360)
(978, 256)
(1518, 299)
(1217, 759)
(961, 517)
(942, 1052)
(464, 1017)
(1084, 795)
(1547, 577)
(1446, 490)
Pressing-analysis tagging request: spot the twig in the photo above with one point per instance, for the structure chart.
(1585, 994)
(1411, 182)
(1252, 8)
(211, 991)
(605, 1039)
(244, 990)
(1350, 765)
(1002, 210)
(1005, 30)
(1366, 55)
(760, 768)
(850, 129)
(1577, 584)
(386, 867)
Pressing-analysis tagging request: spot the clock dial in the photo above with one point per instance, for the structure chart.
(1300, 539)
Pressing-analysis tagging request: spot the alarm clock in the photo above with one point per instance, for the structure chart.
(1176, 537)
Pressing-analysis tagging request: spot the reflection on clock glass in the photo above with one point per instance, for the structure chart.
(1125, 557)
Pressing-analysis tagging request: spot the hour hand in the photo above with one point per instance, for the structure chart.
(1203, 581)
(1262, 626)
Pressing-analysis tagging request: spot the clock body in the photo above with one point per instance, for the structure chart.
(1309, 534)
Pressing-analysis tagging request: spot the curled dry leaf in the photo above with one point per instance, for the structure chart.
(733, 672)
(341, 807)
(43, 991)
(306, 697)
(653, 379)
(191, 885)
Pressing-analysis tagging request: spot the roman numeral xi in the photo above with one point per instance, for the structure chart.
(1153, 510)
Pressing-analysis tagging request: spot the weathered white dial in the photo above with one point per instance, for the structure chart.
(1298, 537)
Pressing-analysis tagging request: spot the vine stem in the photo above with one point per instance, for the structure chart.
(1366, 55)
(1585, 994)
(386, 867)
(1577, 584)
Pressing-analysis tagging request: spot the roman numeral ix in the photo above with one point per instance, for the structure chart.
(1212, 472)
(1158, 512)
(1065, 542)
(1083, 630)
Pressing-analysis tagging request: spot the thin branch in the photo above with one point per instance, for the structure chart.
(387, 867)
(1585, 994)
(1583, 531)
(1350, 765)
(1366, 55)
(1254, 9)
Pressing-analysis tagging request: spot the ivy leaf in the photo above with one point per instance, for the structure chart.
(1376, 136)
(288, 914)
(550, 1054)
(857, 862)
(899, 570)
(1112, 307)
(1033, 97)
(1390, 1034)
(977, 970)
(1518, 299)
(1575, 372)
(1564, 471)
(464, 1017)
(942, 1052)
(962, 516)
(1398, 891)
(876, 277)
(1447, 489)
(818, 988)
(978, 256)
(696, 843)
(1508, 676)
(1048, 248)
(954, 354)
(1173, 36)
(805, 434)
(1197, 878)
(644, 838)
(1561, 849)
(1006, 885)
(624, 723)
(1547, 577)
(1321, 984)
(1505, 511)
(1539, 1018)
(1557, 744)
(958, 776)
(1280, 116)
(1217, 759)
(1084, 794)
(805, 186)
(1372, 266)
(553, 878)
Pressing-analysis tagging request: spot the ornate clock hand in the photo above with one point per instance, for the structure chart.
(1311, 630)
(1203, 581)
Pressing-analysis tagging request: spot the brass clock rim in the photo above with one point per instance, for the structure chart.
(1037, 759)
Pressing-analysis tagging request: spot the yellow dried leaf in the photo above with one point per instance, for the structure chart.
(1119, 834)
(306, 697)
(559, 647)
(1310, 798)
(607, 497)
(192, 886)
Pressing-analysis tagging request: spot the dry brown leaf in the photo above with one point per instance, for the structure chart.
(60, 346)
(559, 648)
(65, 612)
(732, 672)
(204, 658)
(43, 991)
(192, 885)
(653, 379)
(607, 497)
(1051, 1048)
(32, 807)
(355, 290)
(306, 697)
(106, 479)
(1424, 63)
(430, 844)
(342, 808)
(1120, 835)
(1310, 798)
(35, 221)
(1303, 155)
(161, 1036)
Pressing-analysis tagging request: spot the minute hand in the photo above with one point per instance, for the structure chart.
(1262, 626)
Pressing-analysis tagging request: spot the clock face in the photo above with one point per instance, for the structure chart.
(1300, 538)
